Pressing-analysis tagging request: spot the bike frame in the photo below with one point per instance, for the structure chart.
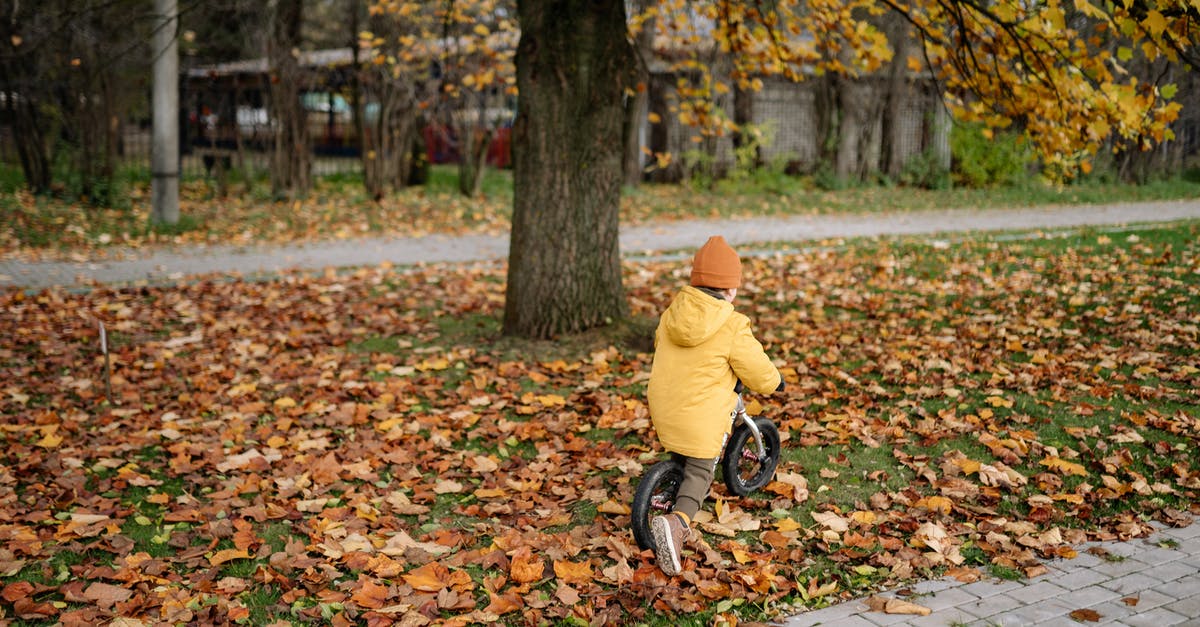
(739, 413)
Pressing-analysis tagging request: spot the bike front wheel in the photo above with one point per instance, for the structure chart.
(744, 469)
(655, 495)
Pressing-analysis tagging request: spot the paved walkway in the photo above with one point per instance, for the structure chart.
(1152, 582)
(172, 265)
(1156, 585)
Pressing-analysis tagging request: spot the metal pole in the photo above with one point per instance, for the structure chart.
(164, 166)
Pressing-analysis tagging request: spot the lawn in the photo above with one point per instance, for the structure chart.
(363, 448)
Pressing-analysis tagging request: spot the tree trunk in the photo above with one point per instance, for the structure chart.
(826, 96)
(356, 101)
(891, 153)
(637, 107)
(473, 160)
(475, 136)
(564, 273)
(29, 136)
(849, 132)
(743, 116)
(291, 160)
(388, 142)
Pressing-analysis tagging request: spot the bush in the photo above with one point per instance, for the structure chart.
(925, 171)
(982, 162)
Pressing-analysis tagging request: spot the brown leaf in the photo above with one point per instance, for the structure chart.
(567, 595)
(106, 595)
(1090, 616)
(17, 590)
(896, 606)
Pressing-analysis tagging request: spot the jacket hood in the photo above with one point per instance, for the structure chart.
(693, 317)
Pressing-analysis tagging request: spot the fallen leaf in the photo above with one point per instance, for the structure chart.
(896, 606)
(1090, 616)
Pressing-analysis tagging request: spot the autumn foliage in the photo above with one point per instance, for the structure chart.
(360, 448)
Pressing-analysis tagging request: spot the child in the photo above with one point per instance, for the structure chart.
(701, 349)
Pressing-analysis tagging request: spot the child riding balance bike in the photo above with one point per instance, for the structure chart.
(702, 349)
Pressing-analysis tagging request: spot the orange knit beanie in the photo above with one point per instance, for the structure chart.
(716, 265)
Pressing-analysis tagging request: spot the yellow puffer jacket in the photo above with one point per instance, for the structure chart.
(701, 348)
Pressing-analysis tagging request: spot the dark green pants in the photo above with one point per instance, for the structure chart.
(697, 478)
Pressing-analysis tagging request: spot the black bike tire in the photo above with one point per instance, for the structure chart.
(665, 474)
(740, 439)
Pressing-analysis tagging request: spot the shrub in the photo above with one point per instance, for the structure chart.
(980, 161)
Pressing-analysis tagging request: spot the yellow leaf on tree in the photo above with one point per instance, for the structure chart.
(1154, 23)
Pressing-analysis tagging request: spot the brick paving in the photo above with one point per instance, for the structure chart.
(1149, 582)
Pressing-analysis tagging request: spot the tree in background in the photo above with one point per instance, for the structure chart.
(475, 63)
(72, 72)
(398, 82)
(453, 60)
(291, 157)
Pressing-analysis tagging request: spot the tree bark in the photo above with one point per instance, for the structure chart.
(637, 107)
(291, 160)
(891, 153)
(387, 145)
(850, 130)
(564, 273)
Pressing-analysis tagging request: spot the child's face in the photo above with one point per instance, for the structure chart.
(730, 294)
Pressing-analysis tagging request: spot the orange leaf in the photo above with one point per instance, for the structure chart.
(503, 604)
(573, 572)
(228, 555)
(370, 595)
(525, 567)
(1091, 616)
(431, 577)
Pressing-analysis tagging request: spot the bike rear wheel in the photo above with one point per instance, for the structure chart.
(655, 495)
(743, 468)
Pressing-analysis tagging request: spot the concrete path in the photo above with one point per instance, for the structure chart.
(1153, 582)
(172, 265)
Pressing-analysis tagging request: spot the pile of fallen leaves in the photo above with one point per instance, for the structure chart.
(360, 448)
